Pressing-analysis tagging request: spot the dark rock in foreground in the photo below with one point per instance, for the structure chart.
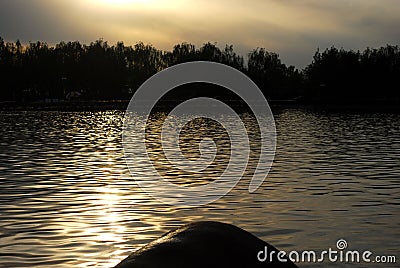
(204, 244)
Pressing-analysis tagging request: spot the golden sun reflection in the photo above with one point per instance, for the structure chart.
(106, 212)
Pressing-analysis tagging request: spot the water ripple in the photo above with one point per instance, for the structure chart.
(68, 200)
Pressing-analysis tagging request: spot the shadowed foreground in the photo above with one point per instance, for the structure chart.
(203, 244)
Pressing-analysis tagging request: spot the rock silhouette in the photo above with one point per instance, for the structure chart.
(204, 244)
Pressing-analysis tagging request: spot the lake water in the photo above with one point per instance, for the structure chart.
(67, 198)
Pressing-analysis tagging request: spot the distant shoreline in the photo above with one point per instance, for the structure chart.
(104, 105)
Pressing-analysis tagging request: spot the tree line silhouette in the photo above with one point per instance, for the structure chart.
(99, 71)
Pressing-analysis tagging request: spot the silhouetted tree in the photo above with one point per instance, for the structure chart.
(181, 53)
(276, 80)
(229, 57)
(380, 70)
(337, 75)
(38, 71)
(147, 61)
(71, 72)
(210, 52)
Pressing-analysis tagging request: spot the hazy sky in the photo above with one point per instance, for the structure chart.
(292, 28)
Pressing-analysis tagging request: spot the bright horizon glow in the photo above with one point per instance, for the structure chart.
(128, 2)
(124, 2)
(132, 4)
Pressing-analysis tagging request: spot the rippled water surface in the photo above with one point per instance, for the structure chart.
(67, 198)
